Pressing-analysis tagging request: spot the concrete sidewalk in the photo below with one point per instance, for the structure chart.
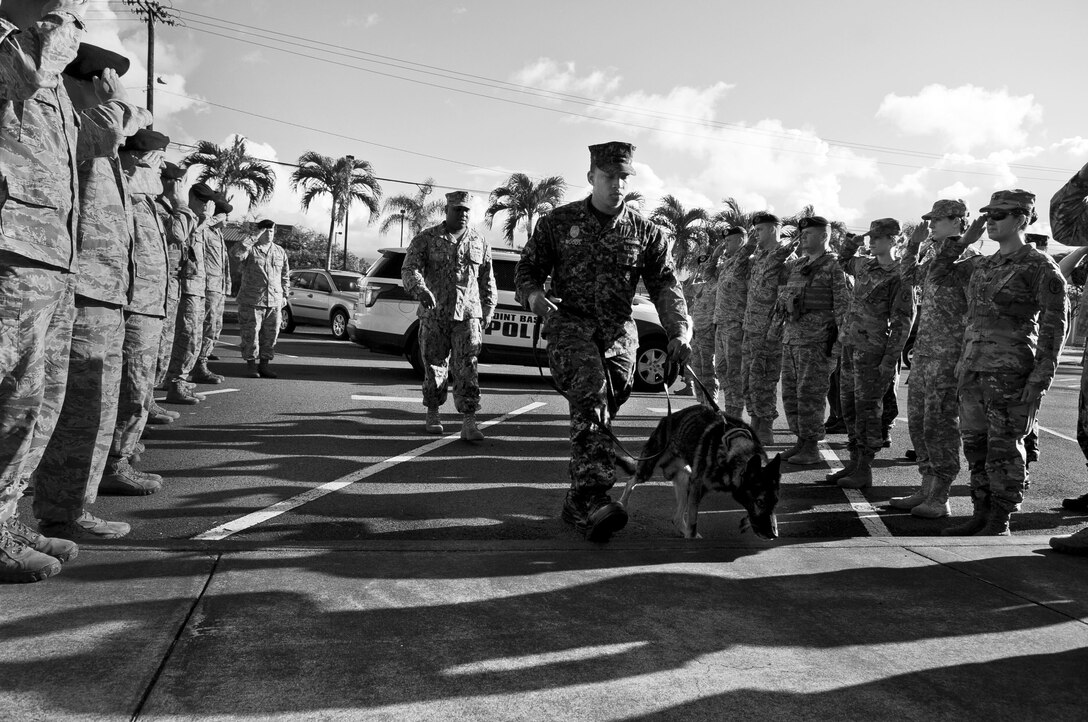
(921, 628)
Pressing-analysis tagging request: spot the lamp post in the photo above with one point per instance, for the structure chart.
(402, 228)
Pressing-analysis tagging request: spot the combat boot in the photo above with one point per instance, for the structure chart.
(158, 415)
(203, 375)
(87, 526)
(179, 393)
(574, 509)
(1076, 503)
(1072, 544)
(60, 549)
(862, 476)
(792, 451)
(997, 521)
(122, 479)
(808, 454)
(251, 370)
(469, 430)
(604, 518)
(191, 387)
(265, 372)
(764, 430)
(20, 563)
(980, 498)
(434, 422)
(918, 497)
(936, 505)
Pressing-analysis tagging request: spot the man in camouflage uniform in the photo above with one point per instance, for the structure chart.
(1069, 224)
(1016, 315)
(732, 297)
(932, 399)
(873, 335)
(761, 351)
(216, 288)
(596, 250)
(67, 480)
(448, 270)
(141, 159)
(262, 292)
(813, 307)
(38, 215)
(703, 331)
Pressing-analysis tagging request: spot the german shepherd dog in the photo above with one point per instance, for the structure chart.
(701, 449)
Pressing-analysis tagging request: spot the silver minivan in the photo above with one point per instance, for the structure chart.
(319, 296)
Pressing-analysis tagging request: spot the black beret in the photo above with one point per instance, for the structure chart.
(172, 171)
(91, 60)
(266, 223)
(813, 222)
(203, 192)
(146, 139)
(733, 231)
(221, 204)
(765, 217)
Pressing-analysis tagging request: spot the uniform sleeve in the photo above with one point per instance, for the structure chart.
(1069, 213)
(489, 291)
(285, 276)
(720, 310)
(1053, 312)
(660, 279)
(243, 250)
(840, 293)
(943, 269)
(848, 254)
(536, 264)
(415, 260)
(106, 125)
(34, 59)
(902, 313)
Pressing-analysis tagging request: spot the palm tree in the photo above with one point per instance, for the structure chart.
(416, 211)
(790, 230)
(232, 167)
(345, 180)
(733, 215)
(634, 199)
(521, 199)
(687, 229)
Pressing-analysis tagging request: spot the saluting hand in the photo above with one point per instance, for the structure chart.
(921, 232)
(108, 86)
(974, 232)
(76, 7)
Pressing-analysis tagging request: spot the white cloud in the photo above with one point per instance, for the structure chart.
(965, 117)
(365, 21)
(1077, 147)
(959, 189)
(547, 74)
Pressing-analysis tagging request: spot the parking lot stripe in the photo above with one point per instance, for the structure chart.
(390, 399)
(250, 520)
(867, 513)
(1059, 435)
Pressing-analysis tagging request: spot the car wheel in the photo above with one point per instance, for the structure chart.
(287, 320)
(340, 325)
(414, 355)
(650, 365)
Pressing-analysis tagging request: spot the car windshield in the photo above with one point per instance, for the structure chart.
(346, 283)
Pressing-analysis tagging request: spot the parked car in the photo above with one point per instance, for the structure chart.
(384, 320)
(319, 296)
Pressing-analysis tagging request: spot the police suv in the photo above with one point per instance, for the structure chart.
(384, 320)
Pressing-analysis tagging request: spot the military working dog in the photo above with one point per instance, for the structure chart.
(700, 449)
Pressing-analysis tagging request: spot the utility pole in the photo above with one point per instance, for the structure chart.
(153, 12)
(347, 208)
(402, 228)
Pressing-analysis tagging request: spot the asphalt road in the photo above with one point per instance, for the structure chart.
(335, 450)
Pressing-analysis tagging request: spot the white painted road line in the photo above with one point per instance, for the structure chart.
(249, 520)
(866, 512)
(390, 399)
(1059, 435)
(278, 353)
(217, 391)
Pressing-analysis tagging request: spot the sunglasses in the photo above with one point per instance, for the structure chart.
(1000, 215)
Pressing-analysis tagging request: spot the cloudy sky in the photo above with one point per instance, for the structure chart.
(863, 109)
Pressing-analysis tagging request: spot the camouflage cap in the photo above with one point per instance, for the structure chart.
(172, 171)
(1016, 199)
(613, 156)
(812, 222)
(458, 199)
(947, 208)
(221, 204)
(203, 192)
(266, 223)
(765, 217)
(91, 60)
(144, 140)
(884, 228)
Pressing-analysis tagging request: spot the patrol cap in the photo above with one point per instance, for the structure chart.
(614, 156)
(172, 171)
(1016, 199)
(947, 208)
(765, 217)
(146, 139)
(458, 199)
(221, 204)
(812, 222)
(266, 223)
(203, 192)
(91, 60)
(884, 228)
(733, 231)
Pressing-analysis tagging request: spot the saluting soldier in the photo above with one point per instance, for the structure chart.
(262, 293)
(448, 270)
(216, 287)
(732, 297)
(704, 295)
(596, 250)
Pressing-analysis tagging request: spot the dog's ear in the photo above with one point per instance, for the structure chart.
(774, 466)
(754, 465)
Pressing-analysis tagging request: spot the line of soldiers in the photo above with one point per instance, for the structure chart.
(112, 280)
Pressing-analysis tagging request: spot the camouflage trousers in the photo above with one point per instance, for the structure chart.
(861, 394)
(933, 417)
(761, 366)
(166, 341)
(727, 364)
(259, 327)
(450, 349)
(1082, 405)
(188, 337)
(806, 372)
(138, 356)
(702, 362)
(36, 313)
(596, 381)
(213, 323)
(993, 422)
(71, 469)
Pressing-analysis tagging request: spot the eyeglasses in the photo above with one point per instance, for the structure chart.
(1000, 215)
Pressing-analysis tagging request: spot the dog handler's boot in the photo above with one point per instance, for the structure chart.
(862, 478)
(936, 505)
(251, 370)
(980, 498)
(469, 430)
(918, 497)
(264, 372)
(848, 469)
(434, 423)
(604, 518)
(808, 454)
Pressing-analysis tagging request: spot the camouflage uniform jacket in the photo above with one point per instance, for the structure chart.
(1016, 311)
(193, 279)
(1069, 213)
(814, 301)
(457, 273)
(216, 263)
(881, 309)
(105, 222)
(732, 294)
(265, 279)
(769, 272)
(596, 270)
(39, 193)
(703, 302)
(942, 309)
(178, 224)
(149, 259)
